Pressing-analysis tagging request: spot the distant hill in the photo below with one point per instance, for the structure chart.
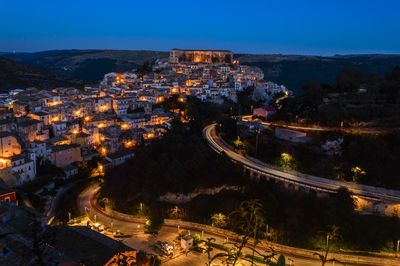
(88, 66)
(295, 71)
(17, 75)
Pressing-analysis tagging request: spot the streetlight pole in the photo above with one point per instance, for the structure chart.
(327, 242)
(397, 248)
(69, 216)
(257, 134)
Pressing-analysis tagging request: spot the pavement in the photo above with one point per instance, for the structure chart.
(313, 182)
(141, 241)
(316, 128)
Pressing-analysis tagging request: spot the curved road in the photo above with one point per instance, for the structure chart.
(350, 130)
(141, 241)
(308, 181)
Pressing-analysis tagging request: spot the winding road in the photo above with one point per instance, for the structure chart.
(140, 241)
(317, 128)
(311, 182)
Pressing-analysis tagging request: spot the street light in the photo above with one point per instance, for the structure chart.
(327, 241)
(69, 216)
(257, 135)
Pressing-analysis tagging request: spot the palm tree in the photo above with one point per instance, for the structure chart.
(331, 236)
(250, 220)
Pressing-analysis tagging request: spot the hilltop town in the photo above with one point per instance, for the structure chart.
(66, 127)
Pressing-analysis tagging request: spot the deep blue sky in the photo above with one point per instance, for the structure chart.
(255, 26)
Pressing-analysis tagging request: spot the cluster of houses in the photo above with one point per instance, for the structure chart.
(67, 126)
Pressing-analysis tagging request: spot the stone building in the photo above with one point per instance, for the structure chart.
(200, 56)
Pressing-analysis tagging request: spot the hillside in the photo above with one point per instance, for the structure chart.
(86, 65)
(17, 75)
(296, 71)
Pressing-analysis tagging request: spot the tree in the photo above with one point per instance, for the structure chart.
(357, 173)
(349, 80)
(287, 161)
(249, 220)
(219, 220)
(154, 222)
(331, 236)
(313, 94)
(145, 68)
(228, 129)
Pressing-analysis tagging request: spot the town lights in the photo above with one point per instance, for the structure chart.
(124, 126)
(87, 118)
(120, 79)
(3, 163)
(129, 144)
(103, 151)
(101, 125)
(101, 169)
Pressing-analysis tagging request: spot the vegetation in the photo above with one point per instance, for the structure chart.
(295, 71)
(353, 98)
(182, 162)
(359, 159)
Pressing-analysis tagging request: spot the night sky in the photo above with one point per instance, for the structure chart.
(322, 27)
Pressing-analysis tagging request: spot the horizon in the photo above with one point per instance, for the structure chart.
(256, 27)
(235, 53)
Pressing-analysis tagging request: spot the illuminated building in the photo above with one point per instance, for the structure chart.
(200, 56)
